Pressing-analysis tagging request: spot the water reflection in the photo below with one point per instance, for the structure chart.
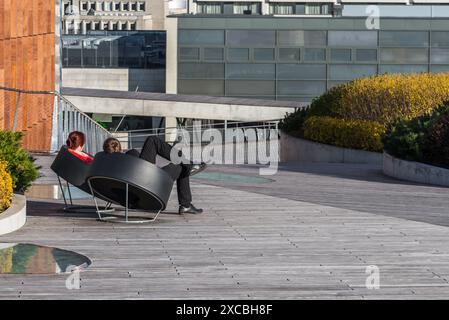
(23, 258)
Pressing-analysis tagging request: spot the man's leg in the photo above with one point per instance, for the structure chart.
(182, 183)
(154, 146)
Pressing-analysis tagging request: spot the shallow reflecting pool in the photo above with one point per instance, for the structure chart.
(232, 178)
(52, 191)
(23, 258)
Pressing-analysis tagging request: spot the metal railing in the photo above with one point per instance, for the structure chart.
(66, 118)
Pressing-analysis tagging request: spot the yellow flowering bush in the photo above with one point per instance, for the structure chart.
(6, 190)
(356, 134)
(384, 98)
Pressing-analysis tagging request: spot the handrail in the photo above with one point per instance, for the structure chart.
(66, 118)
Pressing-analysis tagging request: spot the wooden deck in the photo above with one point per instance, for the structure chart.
(309, 234)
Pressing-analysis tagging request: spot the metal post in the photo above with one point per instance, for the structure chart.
(126, 207)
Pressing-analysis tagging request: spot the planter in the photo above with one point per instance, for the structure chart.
(300, 150)
(415, 171)
(15, 216)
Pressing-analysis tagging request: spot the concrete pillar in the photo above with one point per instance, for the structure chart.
(83, 27)
(265, 8)
(171, 82)
(170, 129)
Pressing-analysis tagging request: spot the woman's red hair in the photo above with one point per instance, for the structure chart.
(76, 139)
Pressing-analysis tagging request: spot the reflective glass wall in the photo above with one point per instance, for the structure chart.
(115, 49)
(299, 65)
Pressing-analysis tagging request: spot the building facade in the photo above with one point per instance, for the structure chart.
(27, 49)
(295, 58)
(82, 16)
(284, 8)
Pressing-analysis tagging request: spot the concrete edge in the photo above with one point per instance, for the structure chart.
(295, 149)
(414, 171)
(14, 217)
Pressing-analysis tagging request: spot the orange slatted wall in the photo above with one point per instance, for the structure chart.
(27, 61)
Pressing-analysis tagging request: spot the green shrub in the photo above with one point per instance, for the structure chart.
(384, 98)
(356, 134)
(423, 139)
(436, 143)
(5, 187)
(20, 164)
(293, 122)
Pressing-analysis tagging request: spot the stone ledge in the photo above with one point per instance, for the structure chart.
(300, 150)
(415, 171)
(15, 217)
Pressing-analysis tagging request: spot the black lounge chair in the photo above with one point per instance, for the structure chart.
(73, 171)
(130, 182)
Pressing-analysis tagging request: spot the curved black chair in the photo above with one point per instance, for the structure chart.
(74, 171)
(130, 182)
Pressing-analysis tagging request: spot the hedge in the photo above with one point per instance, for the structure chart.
(356, 134)
(20, 164)
(6, 190)
(384, 98)
(423, 139)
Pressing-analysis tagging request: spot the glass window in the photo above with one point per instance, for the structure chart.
(350, 72)
(289, 54)
(201, 37)
(353, 38)
(366, 55)
(341, 54)
(300, 8)
(440, 39)
(309, 88)
(317, 8)
(282, 8)
(440, 55)
(189, 53)
(228, 8)
(263, 54)
(247, 8)
(238, 54)
(201, 87)
(404, 39)
(257, 38)
(301, 71)
(404, 55)
(439, 68)
(213, 54)
(314, 54)
(209, 8)
(250, 88)
(403, 68)
(302, 38)
(201, 70)
(250, 71)
(89, 54)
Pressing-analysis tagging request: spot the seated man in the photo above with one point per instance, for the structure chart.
(180, 172)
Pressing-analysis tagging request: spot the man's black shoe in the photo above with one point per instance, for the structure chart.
(197, 168)
(190, 209)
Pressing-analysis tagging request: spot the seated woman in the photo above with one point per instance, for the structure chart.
(75, 145)
(179, 172)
